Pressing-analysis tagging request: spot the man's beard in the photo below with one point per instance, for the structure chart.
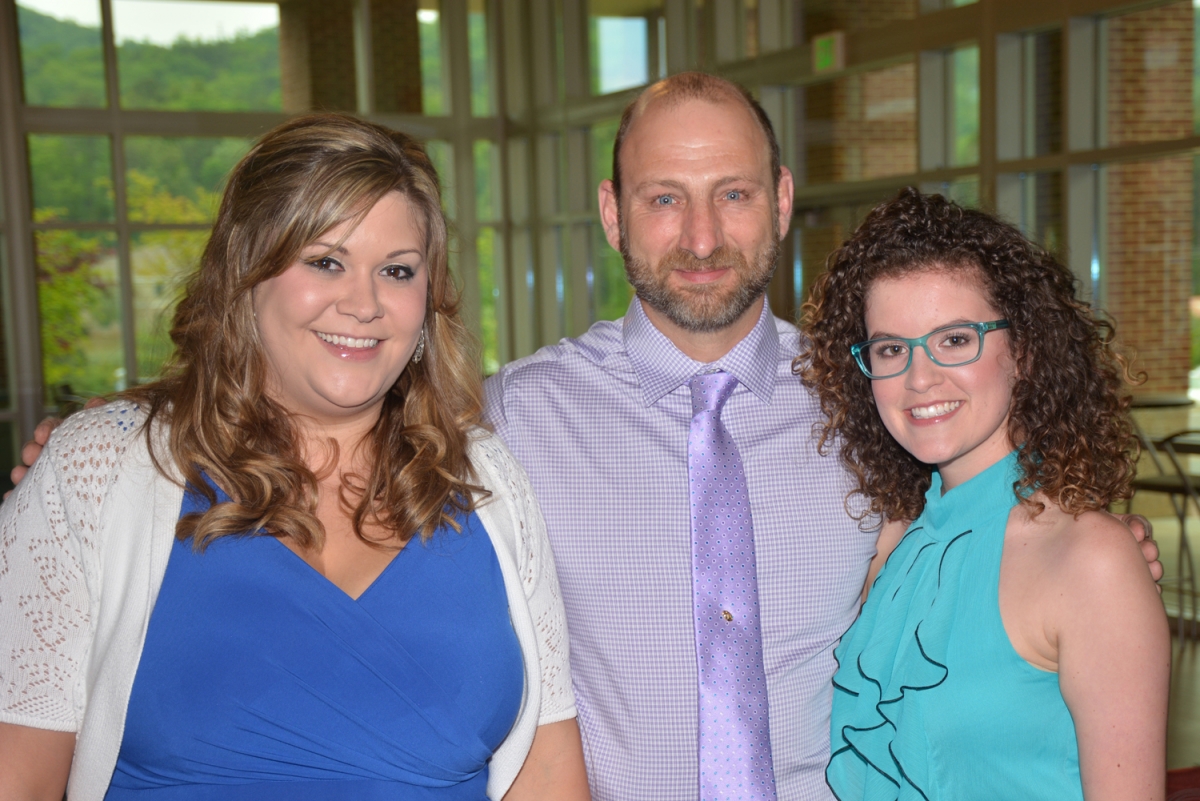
(702, 308)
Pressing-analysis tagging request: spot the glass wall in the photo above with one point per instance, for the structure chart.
(1078, 122)
(1059, 125)
(197, 55)
(1147, 82)
(79, 282)
(857, 127)
(8, 430)
(482, 101)
(626, 43)
(434, 91)
(62, 54)
(610, 291)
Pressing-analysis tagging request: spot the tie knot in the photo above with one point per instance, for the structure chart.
(710, 391)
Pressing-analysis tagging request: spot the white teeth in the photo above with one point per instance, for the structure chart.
(347, 342)
(936, 410)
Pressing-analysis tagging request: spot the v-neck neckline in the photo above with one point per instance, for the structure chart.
(321, 578)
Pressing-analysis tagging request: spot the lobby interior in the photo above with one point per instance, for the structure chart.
(1077, 120)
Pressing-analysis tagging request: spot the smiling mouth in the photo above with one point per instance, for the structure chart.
(346, 342)
(703, 276)
(936, 410)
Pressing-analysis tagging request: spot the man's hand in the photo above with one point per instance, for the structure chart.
(1143, 532)
(33, 448)
(41, 435)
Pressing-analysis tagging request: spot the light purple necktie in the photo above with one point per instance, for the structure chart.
(735, 738)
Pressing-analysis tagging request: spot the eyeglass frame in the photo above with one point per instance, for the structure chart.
(982, 329)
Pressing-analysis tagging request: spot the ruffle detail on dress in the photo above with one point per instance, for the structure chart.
(883, 753)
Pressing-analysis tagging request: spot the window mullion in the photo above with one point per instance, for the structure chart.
(120, 193)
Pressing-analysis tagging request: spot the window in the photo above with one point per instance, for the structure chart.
(1029, 88)
(858, 127)
(745, 29)
(62, 58)
(8, 453)
(627, 44)
(120, 203)
(1146, 77)
(482, 102)
(489, 249)
(610, 290)
(173, 187)
(190, 55)
(434, 93)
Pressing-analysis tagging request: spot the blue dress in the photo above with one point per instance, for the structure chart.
(930, 699)
(260, 679)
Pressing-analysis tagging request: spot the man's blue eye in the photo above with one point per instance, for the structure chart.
(733, 195)
(664, 200)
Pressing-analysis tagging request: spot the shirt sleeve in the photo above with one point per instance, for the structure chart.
(535, 565)
(45, 627)
(549, 616)
(493, 407)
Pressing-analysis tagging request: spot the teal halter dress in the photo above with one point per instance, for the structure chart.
(930, 700)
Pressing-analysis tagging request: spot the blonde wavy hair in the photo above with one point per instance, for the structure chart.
(300, 180)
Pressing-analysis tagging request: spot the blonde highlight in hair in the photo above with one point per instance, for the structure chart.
(300, 180)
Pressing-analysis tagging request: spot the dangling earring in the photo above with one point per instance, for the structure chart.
(420, 351)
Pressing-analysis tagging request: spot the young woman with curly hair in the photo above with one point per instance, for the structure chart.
(295, 567)
(1012, 643)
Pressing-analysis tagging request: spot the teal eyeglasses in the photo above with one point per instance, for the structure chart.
(948, 346)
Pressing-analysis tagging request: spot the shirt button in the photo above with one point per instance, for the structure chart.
(725, 613)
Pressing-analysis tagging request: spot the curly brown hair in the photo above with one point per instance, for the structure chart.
(1070, 403)
(300, 180)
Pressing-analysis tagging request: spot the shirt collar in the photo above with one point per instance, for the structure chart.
(661, 367)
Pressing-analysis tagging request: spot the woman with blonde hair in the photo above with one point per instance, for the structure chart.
(294, 567)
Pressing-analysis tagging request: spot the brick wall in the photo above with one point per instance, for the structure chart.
(861, 126)
(317, 55)
(1150, 75)
(851, 15)
(396, 54)
(1148, 266)
(1148, 256)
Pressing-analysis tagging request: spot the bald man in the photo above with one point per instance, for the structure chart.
(604, 425)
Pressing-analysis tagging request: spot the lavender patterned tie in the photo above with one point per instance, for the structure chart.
(735, 739)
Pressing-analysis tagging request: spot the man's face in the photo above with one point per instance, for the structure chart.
(699, 220)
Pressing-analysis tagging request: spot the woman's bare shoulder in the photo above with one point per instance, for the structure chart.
(1083, 554)
(1065, 578)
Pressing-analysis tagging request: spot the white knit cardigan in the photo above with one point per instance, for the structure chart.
(84, 543)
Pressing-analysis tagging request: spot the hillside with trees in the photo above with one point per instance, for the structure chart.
(64, 67)
(168, 180)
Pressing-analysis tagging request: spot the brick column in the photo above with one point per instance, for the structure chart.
(316, 55)
(861, 126)
(1148, 263)
(396, 56)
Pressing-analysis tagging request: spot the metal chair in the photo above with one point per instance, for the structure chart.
(1174, 481)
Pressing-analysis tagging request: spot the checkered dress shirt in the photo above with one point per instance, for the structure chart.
(601, 424)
